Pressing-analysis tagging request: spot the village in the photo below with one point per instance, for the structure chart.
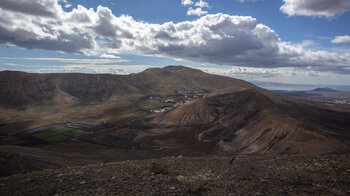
(332, 100)
(179, 98)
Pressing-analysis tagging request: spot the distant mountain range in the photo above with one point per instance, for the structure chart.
(298, 87)
(321, 93)
(323, 90)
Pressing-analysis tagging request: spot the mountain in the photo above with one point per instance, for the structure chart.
(159, 112)
(324, 90)
(245, 121)
(19, 89)
(319, 93)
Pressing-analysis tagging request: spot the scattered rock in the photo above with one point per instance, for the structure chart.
(192, 176)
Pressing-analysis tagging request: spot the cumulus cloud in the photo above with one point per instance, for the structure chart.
(88, 69)
(325, 8)
(201, 3)
(44, 27)
(83, 61)
(92, 69)
(284, 75)
(186, 2)
(68, 65)
(46, 8)
(341, 39)
(257, 73)
(218, 39)
(198, 11)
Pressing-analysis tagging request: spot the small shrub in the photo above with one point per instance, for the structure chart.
(158, 168)
(200, 190)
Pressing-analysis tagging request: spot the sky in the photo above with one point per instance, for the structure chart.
(279, 41)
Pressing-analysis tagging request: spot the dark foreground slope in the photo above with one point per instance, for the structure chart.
(247, 175)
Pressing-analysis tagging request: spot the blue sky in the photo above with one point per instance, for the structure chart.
(287, 41)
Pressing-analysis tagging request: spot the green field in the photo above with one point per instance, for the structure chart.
(59, 134)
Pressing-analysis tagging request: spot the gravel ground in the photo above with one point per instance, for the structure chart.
(209, 175)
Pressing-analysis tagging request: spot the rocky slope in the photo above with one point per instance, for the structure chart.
(241, 121)
(213, 175)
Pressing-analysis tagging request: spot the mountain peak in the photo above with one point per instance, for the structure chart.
(324, 90)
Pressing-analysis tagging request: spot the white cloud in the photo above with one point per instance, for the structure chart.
(83, 61)
(255, 73)
(186, 2)
(341, 39)
(327, 8)
(217, 39)
(68, 5)
(47, 8)
(44, 25)
(284, 75)
(201, 3)
(66, 65)
(92, 69)
(198, 11)
(109, 56)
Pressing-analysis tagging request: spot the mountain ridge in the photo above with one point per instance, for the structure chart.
(21, 89)
(246, 121)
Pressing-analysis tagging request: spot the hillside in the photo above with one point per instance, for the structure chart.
(213, 175)
(245, 122)
(63, 120)
(19, 89)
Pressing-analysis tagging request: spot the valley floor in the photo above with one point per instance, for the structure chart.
(209, 175)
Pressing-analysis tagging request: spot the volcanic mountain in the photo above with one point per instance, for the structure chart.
(245, 121)
(19, 89)
(225, 115)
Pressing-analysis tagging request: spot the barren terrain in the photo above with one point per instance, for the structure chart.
(208, 175)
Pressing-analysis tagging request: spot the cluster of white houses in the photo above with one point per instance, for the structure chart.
(180, 97)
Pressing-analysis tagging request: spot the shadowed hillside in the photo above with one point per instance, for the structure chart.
(18, 89)
(246, 121)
